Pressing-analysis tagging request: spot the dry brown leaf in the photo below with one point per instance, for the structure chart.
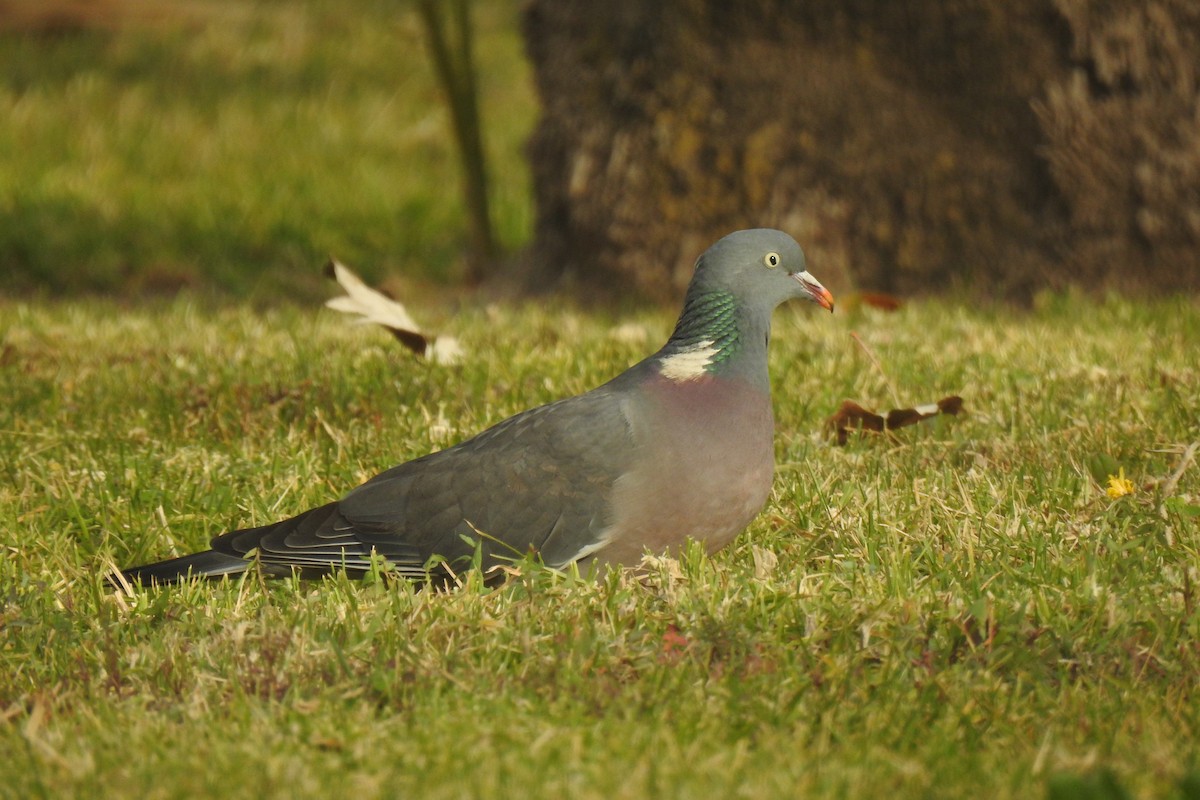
(851, 416)
(376, 307)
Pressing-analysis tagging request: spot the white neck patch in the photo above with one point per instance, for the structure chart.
(690, 363)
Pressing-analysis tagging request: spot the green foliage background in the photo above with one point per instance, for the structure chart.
(237, 145)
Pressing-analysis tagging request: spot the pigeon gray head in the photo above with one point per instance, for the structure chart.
(762, 267)
(726, 320)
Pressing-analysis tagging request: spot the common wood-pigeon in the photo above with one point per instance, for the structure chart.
(678, 446)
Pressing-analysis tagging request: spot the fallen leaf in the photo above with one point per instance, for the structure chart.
(877, 300)
(377, 308)
(852, 416)
(884, 302)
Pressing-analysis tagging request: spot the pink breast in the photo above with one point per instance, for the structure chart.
(704, 471)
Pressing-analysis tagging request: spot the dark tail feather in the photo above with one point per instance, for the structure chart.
(209, 564)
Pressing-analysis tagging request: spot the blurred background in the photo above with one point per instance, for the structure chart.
(230, 147)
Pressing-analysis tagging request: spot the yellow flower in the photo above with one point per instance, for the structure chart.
(1119, 485)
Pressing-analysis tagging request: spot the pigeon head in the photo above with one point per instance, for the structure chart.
(762, 267)
(726, 319)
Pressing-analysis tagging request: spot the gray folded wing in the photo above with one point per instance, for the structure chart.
(540, 481)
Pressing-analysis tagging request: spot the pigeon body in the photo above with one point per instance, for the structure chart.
(678, 446)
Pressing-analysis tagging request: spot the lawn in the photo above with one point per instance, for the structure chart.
(958, 610)
(231, 145)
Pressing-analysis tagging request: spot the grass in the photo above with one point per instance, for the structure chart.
(235, 145)
(958, 611)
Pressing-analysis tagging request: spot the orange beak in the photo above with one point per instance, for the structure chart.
(816, 292)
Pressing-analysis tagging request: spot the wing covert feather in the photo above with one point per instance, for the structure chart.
(549, 470)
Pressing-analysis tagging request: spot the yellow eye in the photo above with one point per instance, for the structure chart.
(771, 260)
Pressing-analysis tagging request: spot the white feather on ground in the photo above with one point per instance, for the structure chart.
(377, 308)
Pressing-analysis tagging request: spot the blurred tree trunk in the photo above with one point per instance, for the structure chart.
(1000, 147)
(448, 35)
